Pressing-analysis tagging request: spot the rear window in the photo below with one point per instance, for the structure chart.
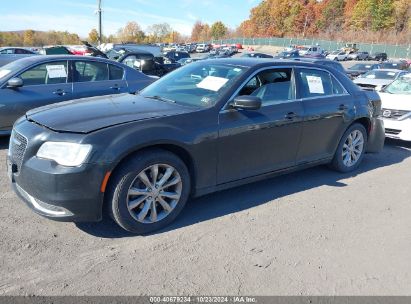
(115, 72)
(90, 71)
(317, 83)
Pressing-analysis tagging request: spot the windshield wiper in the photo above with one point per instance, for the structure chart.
(156, 97)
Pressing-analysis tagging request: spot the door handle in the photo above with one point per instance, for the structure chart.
(60, 92)
(115, 87)
(290, 115)
(343, 107)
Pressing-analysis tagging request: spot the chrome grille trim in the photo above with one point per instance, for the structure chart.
(17, 149)
(394, 114)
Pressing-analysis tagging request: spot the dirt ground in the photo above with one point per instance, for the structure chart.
(315, 232)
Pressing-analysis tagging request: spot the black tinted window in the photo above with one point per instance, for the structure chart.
(90, 71)
(115, 72)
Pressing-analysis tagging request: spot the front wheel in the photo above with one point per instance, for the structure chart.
(351, 149)
(149, 191)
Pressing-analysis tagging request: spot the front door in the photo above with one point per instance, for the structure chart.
(42, 85)
(264, 140)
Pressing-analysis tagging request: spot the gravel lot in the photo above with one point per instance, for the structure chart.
(315, 232)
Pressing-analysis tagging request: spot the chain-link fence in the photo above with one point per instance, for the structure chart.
(393, 51)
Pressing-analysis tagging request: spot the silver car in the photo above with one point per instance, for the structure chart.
(377, 79)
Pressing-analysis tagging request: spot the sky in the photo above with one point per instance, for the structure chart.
(78, 16)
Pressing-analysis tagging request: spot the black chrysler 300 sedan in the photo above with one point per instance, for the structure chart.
(207, 126)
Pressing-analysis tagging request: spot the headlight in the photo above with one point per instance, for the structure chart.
(63, 153)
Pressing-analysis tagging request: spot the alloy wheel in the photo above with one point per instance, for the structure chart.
(154, 193)
(353, 148)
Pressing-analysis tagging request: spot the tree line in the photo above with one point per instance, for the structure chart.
(383, 21)
(377, 21)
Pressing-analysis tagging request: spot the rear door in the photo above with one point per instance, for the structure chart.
(328, 111)
(95, 78)
(43, 84)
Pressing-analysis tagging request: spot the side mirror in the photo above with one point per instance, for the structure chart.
(247, 102)
(15, 82)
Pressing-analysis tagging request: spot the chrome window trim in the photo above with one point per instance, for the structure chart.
(225, 108)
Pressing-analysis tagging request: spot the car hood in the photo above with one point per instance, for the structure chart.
(373, 81)
(395, 101)
(90, 114)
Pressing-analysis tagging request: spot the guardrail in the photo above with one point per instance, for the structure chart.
(393, 51)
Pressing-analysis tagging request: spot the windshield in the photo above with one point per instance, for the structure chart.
(377, 74)
(361, 67)
(390, 65)
(199, 84)
(6, 70)
(400, 86)
(335, 52)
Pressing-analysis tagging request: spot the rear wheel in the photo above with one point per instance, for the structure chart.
(149, 191)
(351, 149)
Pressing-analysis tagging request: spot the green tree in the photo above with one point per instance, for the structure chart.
(402, 14)
(159, 32)
(383, 15)
(28, 38)
(93, 36)
(333, 15)
(131, 33)
(218, 30)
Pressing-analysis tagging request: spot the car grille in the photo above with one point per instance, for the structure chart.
(392, 131)
(18, 145)
(367, 86)
(393, 114)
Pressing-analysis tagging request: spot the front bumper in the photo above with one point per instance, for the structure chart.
(51, 190)
(398, 129)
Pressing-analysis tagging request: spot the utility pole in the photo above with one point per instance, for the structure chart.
(305, 24)
(100, 34)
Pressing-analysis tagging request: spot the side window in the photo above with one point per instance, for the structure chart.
(250, 86)
(46, 73)
(316, 83)
(131, 61)
(272, 86)
(6, 51)
(337, 88)
(90, 71)
(115, 72)
(20, 51)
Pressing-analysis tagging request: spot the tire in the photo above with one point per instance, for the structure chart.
(136, 204)
(352, 160)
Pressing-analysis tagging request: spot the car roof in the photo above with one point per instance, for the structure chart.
(262, 62)
(42, 58)
(390, 70)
